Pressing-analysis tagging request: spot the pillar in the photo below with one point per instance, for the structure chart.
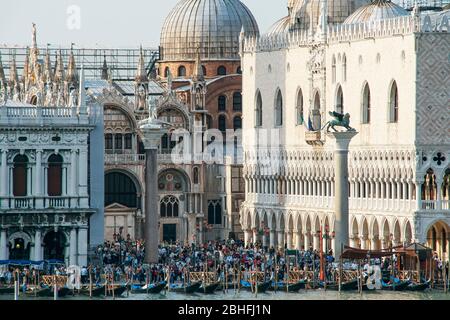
(316, 241)
(272, 238)
(38, 245)
(255, 235)
(341, 199)
(289, 239)
(280, 239)
(247, 237)
(3, 245)
(298, 239)
(73, 190)
(4, 179)
(264, 240)
(306, 240)
(82, 246)
(73, 247)
(82, 178)
(38, 179)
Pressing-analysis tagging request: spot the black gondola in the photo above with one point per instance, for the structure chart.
(7, 290)
(118, 291)
(96, 291)
(417, 286)
(345, 286)
(192, 288)
(209, 289)
(152, 289)
(399, 286)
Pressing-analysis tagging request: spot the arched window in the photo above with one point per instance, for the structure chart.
(20, 176)
(118, 143)
(195, 175)
(344, 68)
(128, 141)
(333, 69)
(222, 103)
(108, 141)
(166, 72)
(299, 107)
(222, 123)
(214, 212)
(221, 71)
(119, 188)
(258, 110)
(366, 104)
(340, 101)
(237, 123)
(54, 176)
(169, 207)
(279, 109)
(204, 70)
(182, 71)
(316, 115)
(393, 103)
(429, 186)
(239, 70)
(237, 101)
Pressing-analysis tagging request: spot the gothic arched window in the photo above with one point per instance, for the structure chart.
(299, 107)
(237, 101)
(195, 175)
(221, 71)
(366, 104)
(182, 71)
(169, 207)
(222, 103)
(166, 72)
(279, 109)
(214, 212)
(237, 123)
(393, 103)
(344, 68)
(333, 69)
(340, 100)
(20, 176)
(222, 123)
(54, 176)
(258, 110)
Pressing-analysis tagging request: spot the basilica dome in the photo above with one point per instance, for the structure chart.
(210, 26)
(377, 10)
(338, 10)
(280, 26)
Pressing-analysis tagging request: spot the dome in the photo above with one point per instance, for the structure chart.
(213, 26)
(280, 26)
(338, 11)
(378, 10)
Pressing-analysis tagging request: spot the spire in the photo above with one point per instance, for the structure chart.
(198, 70)
(104, 69)
(323, 20)
(2, 73)
(13, 76)
(72, 76)
(82, 109)
(26, 67)
(34, 36)
(47, 74)
(141, 75)
(59, 70)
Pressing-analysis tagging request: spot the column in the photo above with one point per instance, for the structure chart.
(289, 239)
(298, 238)
(419, 194)
(82, 246)
(38, 245)
(272, 238)
(363, 242)
(38, 179)
(82, 178)
(73, 190)
(306, 240)
(280, 239)
(316, 241)
(264, 240)
(3, 245)
(4, 179)
(73, 247)
(341, 198)
(439, 182)
(352, 241)
(255, 235)
(247, 237)
(374, 243)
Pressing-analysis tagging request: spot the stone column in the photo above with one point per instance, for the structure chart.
(255, 235)
(316, 240)
(152, 132)
(4, 179)
(306, 240)
(247, 237)
(280, 239)
(82, 178)
(37, 245)
(264, 240)
(38, 179)
(272, 239)
(82, 246)
(298, 238)
(3, 245)
(341, 187)
(73, 190)
(73, 247)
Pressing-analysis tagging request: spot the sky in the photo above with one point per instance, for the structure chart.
(105, 23)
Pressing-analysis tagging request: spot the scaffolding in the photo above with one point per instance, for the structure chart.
(121, 63)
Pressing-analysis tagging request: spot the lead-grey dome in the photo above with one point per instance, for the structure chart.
(337, 10)
(377, 10)
(213, 26)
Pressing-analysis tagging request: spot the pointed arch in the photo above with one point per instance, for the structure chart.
(278, 108)
(258, 109)
(366, 103)
(393, 102)
(339, 102)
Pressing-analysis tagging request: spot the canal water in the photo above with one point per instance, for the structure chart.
(319, 294)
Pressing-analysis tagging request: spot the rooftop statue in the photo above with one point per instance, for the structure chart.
(340, 120)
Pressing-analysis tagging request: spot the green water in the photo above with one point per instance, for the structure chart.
(301, 295)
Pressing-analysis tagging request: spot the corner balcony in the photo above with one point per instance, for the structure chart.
(429, 205)
(30, 203)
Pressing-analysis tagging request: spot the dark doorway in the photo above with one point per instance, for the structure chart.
(169, 232)
(54, 246)
(18, 251)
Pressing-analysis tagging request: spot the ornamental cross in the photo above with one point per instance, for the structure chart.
(439, 158)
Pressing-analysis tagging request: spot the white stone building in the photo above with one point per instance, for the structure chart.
(48, 165)
(389, 69)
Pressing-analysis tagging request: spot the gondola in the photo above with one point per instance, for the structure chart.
(395, 286)
(7, 290)
(209, 289)
(192, 288)
(345, 286)
(261, 287)
(153, 288)
(40, 292)
(118, 291)
(281, 286)
(96, 291)
(417, 286)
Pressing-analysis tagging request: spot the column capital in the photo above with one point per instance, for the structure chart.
(342, 139)
(39, 150)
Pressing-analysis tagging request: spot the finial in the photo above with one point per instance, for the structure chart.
(198, 69)
(34, 35)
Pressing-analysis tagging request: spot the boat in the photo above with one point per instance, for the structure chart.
(261, 287)
(345, 286)
(192, 288)
(153, 288)
(417, 286)
(118, 291)
(7, 290)
(395, 285)
(96, 291)
(294, 287)
(209, 289)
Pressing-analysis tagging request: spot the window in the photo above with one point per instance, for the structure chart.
(316, 114)
(119, 188)
(237, 123)
(118, 143)
(221, 71)
(166, 72)
(340, 101)
(169, 207)
(393, 103)
(20, 176)
(237, 181)
(299, 107)
(128, 141)
(222, 123)
(222, 103)
(279, 109)
(182, 71)
(108, 141)
(204, 70)
(237, 101)
(333, 69)
(54, 176)
(344, 68)
(239, 70)
(366, 104)
(195, 175)
(258, 110)
(215, 212)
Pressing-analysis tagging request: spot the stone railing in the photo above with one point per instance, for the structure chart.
(64, 202)
(125, 159)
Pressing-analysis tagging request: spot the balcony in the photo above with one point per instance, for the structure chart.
(314, 138)
(15, 203)
(115, 159)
